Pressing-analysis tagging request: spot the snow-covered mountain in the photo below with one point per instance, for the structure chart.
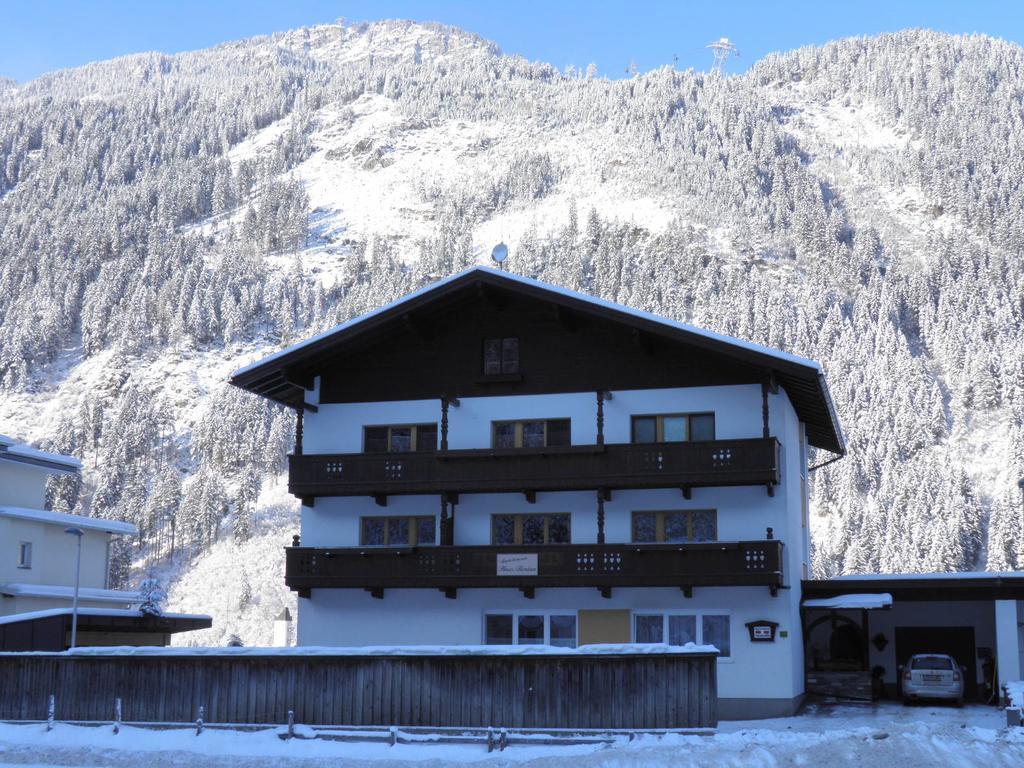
(166, 219)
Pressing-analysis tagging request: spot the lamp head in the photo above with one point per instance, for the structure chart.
(74, 532)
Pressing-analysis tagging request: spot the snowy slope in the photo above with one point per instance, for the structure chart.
(712, 201)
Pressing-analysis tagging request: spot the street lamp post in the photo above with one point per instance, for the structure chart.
(77, 533)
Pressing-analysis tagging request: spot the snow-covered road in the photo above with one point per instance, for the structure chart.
(877, 737)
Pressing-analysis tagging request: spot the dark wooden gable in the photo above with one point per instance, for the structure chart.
(429, 344)
(439, 351)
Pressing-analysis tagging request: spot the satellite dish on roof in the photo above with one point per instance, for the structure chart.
(499, 254)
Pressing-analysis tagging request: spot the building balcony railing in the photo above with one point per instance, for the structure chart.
(688, 465)
(604, 566)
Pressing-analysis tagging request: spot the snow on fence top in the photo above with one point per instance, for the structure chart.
(622, 649)
(844, 602)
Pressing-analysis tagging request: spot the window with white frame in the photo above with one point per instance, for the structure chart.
(557, 628)
(25, 554)
(699, 627)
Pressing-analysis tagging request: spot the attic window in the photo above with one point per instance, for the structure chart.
(501, 356)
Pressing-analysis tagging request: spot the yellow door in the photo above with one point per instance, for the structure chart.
(604, 627)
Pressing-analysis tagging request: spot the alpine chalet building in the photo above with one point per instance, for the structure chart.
(496, 460)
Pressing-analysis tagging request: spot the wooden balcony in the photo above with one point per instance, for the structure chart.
(530, 470)
(604, 566)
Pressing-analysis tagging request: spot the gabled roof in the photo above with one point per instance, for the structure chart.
(803, 379)
(11, 450)
(115, 527)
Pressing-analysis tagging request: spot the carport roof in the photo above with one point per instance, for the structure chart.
(905, 587)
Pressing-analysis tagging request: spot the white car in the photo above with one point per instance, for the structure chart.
(933, 676)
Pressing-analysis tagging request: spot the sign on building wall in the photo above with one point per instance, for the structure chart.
(517, 565)
(762, 631)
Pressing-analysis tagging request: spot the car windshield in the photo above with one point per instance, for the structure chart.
(931, 662)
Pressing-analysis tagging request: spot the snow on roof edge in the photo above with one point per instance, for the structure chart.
(58, 592)
(349, 323)
(929, 575)
(845, 602)
(595, 301)
(63, 518)
(112, 612)
(399, 650)
(12, 449)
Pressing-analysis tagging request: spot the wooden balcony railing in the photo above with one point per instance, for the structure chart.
(613, 466)
(738, 563)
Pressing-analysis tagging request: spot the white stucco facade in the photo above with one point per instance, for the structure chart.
(37, 557)
(757, 677)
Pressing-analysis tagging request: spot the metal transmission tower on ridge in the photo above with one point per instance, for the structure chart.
(722, 49)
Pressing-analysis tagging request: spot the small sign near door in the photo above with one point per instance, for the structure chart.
(517, 565)
(762, 631)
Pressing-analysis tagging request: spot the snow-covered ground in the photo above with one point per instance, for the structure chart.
(885, 735)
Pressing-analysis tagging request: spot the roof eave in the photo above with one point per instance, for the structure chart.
(276, 367)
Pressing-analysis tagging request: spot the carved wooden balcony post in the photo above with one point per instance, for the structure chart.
(444, 423)
(451, 526)
(600, 515)
(764, 407)
(600, 417)
(298, 430)
(444, 538)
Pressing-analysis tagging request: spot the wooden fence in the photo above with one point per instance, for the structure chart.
(569, 690)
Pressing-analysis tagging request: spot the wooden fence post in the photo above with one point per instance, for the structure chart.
(291, 723)
(117, 716)
(51, 708)
(199, 720)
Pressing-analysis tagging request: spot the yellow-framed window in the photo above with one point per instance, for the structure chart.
(400, 438)
(673, 427)
(542, 528)
(397, 531)
(675, 525)
(531, 433)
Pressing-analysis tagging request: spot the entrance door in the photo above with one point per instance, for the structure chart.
(958, 642)
(604, 627)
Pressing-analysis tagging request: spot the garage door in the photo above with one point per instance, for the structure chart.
(958, 642)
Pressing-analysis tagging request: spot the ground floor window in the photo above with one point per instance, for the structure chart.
(531, 628)
(702, 628)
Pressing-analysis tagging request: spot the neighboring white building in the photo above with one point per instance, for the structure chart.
(496, 460)
(37, 558)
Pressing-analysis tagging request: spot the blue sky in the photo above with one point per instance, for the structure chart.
(41, 35)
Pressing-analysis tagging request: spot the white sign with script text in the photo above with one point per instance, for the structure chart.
(517, 565)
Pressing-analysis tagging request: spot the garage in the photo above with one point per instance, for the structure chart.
(957, 642)
(860, 631)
